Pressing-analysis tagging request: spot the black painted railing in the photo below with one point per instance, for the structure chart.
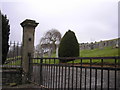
(14, 58)
(12, 68)
(81, 73)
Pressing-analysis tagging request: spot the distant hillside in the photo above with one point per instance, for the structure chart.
(105, 52)
(98, 49)
(107, 43)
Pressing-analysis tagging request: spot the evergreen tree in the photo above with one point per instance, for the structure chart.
(5, 37)
(69, 46)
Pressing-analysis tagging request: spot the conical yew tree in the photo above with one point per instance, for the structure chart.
(69, 46)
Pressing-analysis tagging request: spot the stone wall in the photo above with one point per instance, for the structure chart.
(108, 43)
(11, 76)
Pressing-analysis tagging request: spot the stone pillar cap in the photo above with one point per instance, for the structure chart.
(29, 22)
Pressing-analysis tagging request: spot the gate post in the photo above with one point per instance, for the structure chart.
(27, 46)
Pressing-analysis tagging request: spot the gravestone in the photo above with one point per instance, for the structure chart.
(28, 46)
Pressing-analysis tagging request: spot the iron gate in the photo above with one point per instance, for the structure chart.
(12, 68)
(81, 73)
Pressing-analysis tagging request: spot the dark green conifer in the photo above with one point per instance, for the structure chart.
(5, 37)
(69, 46)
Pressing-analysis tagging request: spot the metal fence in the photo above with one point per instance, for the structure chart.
(82, 73)
(14, 58)
(12, 68)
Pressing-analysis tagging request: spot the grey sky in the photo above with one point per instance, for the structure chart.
(91, 20)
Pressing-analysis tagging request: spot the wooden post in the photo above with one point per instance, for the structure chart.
(28, 46)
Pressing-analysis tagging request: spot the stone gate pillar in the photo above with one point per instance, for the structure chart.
(28, 45)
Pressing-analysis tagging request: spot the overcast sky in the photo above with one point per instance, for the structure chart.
(91, 20)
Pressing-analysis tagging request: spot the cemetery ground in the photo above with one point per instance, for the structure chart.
(104, 52)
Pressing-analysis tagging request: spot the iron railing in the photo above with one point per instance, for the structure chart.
(12, 68)
(14, 58)
(81, 73)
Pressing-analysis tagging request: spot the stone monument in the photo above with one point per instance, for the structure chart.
(28, 46)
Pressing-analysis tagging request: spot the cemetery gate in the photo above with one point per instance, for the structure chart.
(12, 68)
(81, 73)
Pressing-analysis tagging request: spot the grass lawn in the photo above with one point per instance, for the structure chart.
(105, 52)
(14, 61)
(17, 63)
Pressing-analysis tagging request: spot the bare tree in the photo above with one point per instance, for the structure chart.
(49, 41)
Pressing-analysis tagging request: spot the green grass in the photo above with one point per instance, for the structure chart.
(46, 61)
(95, 61)
(16, 57)
(17, 63)
(105, 52)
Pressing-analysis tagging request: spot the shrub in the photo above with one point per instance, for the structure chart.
(69, 46)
